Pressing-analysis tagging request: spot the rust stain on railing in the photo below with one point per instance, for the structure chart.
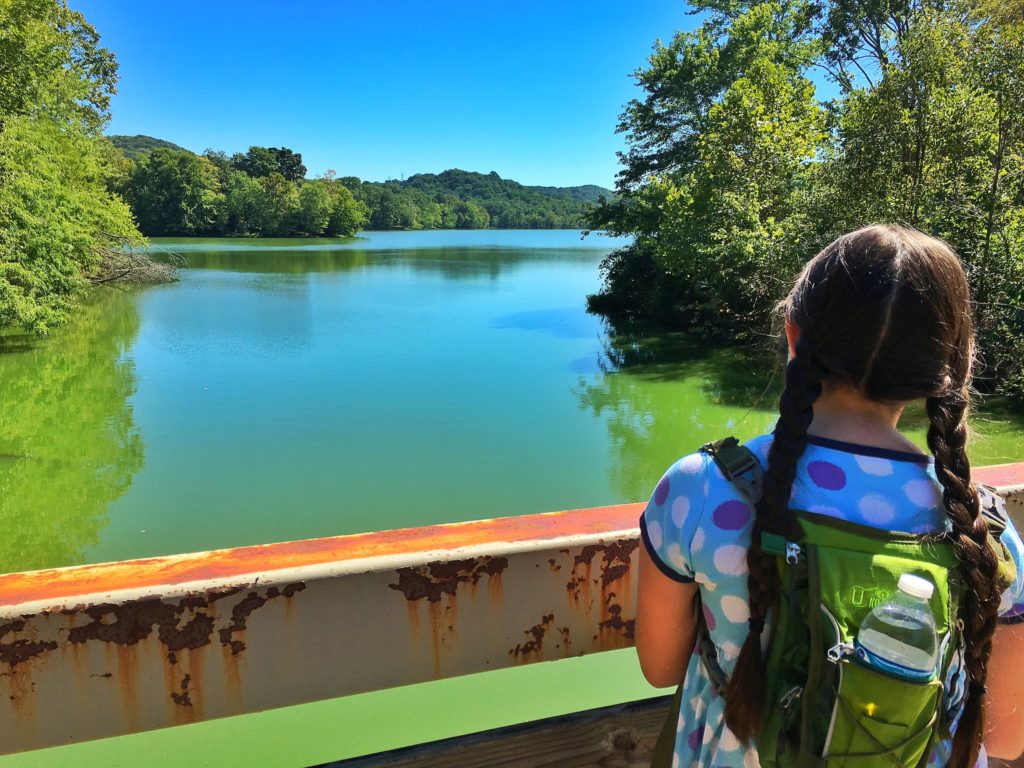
(432, 580)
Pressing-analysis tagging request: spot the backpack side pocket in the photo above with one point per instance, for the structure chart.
(880, 720)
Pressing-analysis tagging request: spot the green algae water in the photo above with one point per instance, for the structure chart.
(287, 389)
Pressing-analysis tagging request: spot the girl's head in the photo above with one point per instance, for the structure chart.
(885, 311)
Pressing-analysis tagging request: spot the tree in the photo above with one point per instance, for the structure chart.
(939, 143)
(221, 162)
(259, 162)
(314, 209)
(719, 152)
(732, 181)
(289, 163)
(348, 215)
(470, 216)
(177, 193)
(280, 201)
(53, 66)
(244, 205)
(59, 223)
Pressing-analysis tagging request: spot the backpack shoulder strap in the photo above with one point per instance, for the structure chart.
(739, 465)
(994, 510)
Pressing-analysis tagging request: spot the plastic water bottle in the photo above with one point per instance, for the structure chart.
(899, 637)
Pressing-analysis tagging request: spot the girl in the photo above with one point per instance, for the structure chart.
(880, 318)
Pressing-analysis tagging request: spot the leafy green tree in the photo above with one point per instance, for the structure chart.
(244, 205)
(222, 163)
(289, 163)
(177, 193)
(280, 204)
(719, 151)
(314, 209)
(53, 65)
(937, 143)
(385, 208)
(57, 220)
(735, 175)
(470, 216)
(59, 223)
(347, 215)
(449, 217)
(259, 162)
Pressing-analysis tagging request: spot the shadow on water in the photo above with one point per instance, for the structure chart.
(730, 375)
(452, 263)
(69, 445)
(563, 322)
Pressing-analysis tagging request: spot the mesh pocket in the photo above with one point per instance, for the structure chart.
(879, 720)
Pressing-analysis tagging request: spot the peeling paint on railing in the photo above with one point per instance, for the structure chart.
(103, 650)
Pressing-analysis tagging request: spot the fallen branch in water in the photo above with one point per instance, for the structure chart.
(126, 263)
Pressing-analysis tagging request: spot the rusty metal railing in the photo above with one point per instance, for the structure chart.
(105, 650)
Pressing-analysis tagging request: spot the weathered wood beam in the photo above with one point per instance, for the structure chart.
(621, 736)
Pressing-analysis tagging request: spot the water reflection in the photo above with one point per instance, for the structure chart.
(503, 239)
(451, 263)
(662, 395)
(277, 261)
(68, 440)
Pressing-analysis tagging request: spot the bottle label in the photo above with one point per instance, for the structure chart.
(892, 668)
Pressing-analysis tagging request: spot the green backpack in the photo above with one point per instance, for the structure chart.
(823, 707)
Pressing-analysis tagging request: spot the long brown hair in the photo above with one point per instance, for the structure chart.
(887, 311)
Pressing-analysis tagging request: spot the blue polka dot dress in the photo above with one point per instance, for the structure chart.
(696, 528)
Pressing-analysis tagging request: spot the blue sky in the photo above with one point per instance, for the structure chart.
(385, 88)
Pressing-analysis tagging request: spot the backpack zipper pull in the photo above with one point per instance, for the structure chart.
(838, 651)
(793, 553)
(786, 702)
(791, 696)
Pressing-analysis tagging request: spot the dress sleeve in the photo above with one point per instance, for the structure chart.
(1011, 609)
(672, 516)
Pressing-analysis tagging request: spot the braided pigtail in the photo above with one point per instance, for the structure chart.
(947, 437)
(745, 692)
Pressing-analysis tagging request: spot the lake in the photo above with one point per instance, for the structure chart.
(286, 389)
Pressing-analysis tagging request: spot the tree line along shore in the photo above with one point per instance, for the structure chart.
(265, 192)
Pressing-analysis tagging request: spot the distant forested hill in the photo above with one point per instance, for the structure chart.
(588, 193)
(265, 192)
(508, 203)
(134, 147)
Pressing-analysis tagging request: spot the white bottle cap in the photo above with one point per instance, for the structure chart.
(916, 586)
